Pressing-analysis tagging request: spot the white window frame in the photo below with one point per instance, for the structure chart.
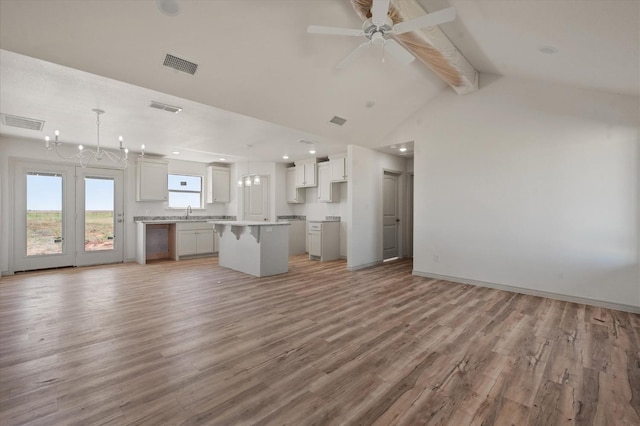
(201, 192)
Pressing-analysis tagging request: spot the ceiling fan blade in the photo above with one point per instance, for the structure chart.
(398, 52)
(353, 56)
(429, 20)
(379, 11)
(317, 29)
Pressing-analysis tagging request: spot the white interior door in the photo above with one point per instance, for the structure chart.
(390, 216)
(99, 216)
(256, 201)
(44, 228)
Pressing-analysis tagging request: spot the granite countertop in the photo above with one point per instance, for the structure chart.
(246, 223)
(327, 219)
(289, 218)
(175, 219)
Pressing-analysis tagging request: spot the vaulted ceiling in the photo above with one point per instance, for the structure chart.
(262, 80)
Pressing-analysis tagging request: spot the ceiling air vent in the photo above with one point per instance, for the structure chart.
(338, 120)
(165, 107)
(22, 122)
(180, 64)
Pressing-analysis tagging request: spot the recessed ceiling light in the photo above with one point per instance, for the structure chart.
(312, 151)
(286, 157)
(548, 50)
(403, 149)
(175, 152)
(223, 159)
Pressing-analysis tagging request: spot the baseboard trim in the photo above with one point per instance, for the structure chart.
(364, 266)
(531, 292)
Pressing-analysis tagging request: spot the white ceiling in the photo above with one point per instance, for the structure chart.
(262, 80)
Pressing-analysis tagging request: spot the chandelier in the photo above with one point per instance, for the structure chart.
(88, 156)
(249, 179)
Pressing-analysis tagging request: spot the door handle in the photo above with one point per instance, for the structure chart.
(120, 220)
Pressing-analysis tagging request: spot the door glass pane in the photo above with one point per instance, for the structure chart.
(44, 214)
(99, 218)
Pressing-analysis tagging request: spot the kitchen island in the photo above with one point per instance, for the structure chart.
(260, 249)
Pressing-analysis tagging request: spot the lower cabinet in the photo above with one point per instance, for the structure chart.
(324, 240)
(195, 239)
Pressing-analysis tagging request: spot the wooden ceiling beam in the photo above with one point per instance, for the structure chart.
(430, 45)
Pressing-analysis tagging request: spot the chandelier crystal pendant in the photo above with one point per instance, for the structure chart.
(88, 156)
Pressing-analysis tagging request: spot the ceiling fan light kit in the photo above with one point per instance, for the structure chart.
(379, 27)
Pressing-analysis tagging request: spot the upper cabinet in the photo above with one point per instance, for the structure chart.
(338, 165)
(327, 191)
(306, 173)
(294, 194)
(218, 184)
(151, 180)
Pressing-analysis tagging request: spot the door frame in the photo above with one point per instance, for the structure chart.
(400, 213)
(82, 257)
(266, 194)
(409, 214)
(19, 169)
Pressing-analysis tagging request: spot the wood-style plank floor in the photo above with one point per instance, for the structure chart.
(192, 343)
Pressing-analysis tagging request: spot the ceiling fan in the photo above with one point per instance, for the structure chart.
(379, 27)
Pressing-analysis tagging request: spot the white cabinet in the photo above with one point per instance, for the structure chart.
(218, 184)
(151, 180)
(324, 240)
(338, 164)
(327, 192)
(195, 238)
(295, 195)
(315, 245)
(306, 173)
(297, 237)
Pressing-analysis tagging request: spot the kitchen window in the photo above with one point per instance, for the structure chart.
(185, 190)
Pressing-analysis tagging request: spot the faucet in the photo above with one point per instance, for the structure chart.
(189, 210)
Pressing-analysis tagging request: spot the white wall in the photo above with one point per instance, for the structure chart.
(364, 210)
(532, 185)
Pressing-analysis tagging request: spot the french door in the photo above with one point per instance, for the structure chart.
(66, 216)
(99, 216)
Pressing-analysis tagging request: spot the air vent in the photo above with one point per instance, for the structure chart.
(338, 120)
(180, 64)
(22, 122)
(165, 107)
(305, 141)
